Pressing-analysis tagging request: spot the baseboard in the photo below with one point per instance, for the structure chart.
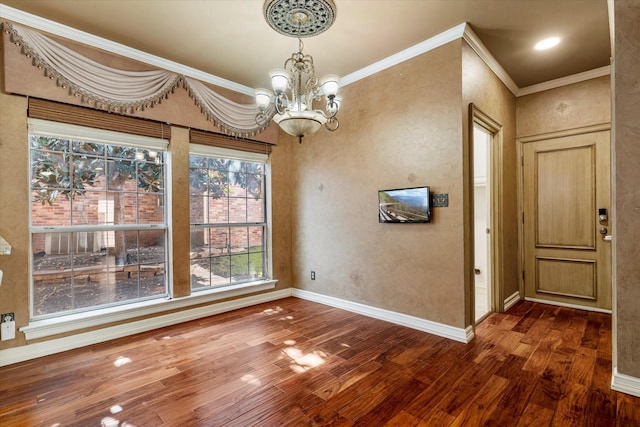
(510, 301)
(442, 330)
(32, 351)
(563, 304)
(625, 383)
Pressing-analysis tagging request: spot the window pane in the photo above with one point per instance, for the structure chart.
(220, 271)
(150, 176)
(239, 239)
(198, 210)
(90, 148)
(240, 267)
(218, 210)
(256, 238)
(256, 269)
(125, 208)
(150, 211)
(200, 273)
(255, 210)
(120, 152)
(89, 173)
(56, 213)
(92, 277)
(120, 175)
(198, 246)
(38, 142)
(151, 258)
(237, 210)
(218, 241)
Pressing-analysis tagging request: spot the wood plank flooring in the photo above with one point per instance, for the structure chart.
(297, 363)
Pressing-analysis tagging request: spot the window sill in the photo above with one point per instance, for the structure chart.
(73, 322)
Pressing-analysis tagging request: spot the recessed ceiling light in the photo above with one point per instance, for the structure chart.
(547, 43)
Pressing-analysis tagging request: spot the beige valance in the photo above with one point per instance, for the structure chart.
(126, 92)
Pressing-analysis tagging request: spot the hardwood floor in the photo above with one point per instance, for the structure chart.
(295, 363)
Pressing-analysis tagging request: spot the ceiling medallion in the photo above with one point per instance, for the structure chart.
(300, 18)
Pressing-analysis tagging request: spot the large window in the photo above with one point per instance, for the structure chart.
(228, 218)
(98, 222)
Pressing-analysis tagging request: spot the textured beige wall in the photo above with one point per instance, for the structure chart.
(14, 209)
(568, 107)
(482, 87)
(399, 128)
(626, 229)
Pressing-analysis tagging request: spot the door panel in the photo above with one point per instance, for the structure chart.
(564, 197)
(566, 277)
(565, 181)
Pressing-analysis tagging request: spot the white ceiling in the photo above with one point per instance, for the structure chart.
(230, 38)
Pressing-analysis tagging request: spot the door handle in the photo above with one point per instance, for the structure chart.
(608, 238)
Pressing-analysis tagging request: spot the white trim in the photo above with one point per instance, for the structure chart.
(510, 301)
(564, 304)
(85, 133)
(463, 31)
(211, 151)
(406, 54)
(612, 27)
(45, 348)
(52, 27)
(442, 330)
(625, 383)
(64, 324)
(474, 42)
(565, 81)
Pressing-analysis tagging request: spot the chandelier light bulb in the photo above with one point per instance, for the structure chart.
(279, 80)
(263, 98)
(329, 84)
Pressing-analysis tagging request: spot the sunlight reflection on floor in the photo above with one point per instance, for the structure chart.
(301, 362)
(121, 360)
(250, 379)
(272, 311)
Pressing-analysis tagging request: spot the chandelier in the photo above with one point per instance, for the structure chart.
(296, 87)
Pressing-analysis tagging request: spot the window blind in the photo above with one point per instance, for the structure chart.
(89, 117)
(227, 142)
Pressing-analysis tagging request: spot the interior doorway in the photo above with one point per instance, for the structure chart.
(482, 220)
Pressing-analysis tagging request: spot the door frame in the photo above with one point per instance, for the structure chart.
(520, 142)
(494, 198)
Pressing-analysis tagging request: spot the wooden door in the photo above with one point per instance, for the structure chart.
(565, 183)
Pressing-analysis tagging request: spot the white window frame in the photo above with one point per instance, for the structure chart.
(211, 151)
(82, 133)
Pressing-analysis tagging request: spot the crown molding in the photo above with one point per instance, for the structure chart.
(565, 81)
(52, 27)
(474, 42)
(463, 31)
(404, 55)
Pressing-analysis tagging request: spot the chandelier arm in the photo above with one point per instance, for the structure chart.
(280, 104)
(332, 124)
(329, 116)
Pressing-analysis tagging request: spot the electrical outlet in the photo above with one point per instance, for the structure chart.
(313, 275)
(7, 326)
